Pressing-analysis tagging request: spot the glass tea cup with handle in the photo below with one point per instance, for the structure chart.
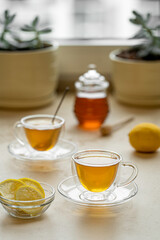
(39, 131)
(98, 174)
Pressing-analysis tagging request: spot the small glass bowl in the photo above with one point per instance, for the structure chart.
(29, 209)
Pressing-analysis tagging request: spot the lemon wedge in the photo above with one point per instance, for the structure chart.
(33, 183)
(9, 187)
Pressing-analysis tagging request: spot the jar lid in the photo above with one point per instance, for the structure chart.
(92, 80)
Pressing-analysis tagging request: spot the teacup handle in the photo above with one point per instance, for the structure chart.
(16, 128)
(133, 175)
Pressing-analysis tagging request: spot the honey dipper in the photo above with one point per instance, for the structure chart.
(108, 129)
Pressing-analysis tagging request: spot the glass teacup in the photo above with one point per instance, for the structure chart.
(38, 131)
(98, 174)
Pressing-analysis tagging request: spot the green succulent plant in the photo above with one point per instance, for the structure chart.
(10, 40)
(150, 47)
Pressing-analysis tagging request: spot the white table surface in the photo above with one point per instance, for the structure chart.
(134, 220)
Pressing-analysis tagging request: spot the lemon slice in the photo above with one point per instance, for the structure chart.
(33, 183)
(28, 193)
(9, 187)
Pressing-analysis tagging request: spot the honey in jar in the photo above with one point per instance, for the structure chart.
(91, 103)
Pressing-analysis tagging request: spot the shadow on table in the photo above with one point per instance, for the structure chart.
(98, 212)
(9, 221)
(145, 156)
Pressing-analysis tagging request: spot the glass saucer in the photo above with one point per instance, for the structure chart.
(41, 161)
(68, 189)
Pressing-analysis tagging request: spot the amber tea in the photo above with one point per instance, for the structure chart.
(40, 132)
(96, 178)
(42, 139)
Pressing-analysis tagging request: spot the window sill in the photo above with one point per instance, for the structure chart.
(76, 55)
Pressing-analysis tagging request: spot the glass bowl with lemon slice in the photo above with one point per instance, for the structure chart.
(25, 198)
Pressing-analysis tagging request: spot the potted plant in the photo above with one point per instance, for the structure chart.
(28, 68)
(136, 71)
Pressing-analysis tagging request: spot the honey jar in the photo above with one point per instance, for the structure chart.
(91, 104)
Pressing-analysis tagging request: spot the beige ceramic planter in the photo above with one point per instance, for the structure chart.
(28, 78)
(136, 82)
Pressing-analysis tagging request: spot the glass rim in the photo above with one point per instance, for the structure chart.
(91, 152)
(51, 195)
(53, 126)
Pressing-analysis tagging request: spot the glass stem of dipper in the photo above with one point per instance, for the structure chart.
(64, 94)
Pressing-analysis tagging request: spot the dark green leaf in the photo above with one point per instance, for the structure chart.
(138, 16)
(44, 31)
(139, 35)
(28, 28)
(148, 16)
(157, 27)
(35, 21)
(7, 30)
(6, 14)
(134, 21)
(157, 42)
(11, 18)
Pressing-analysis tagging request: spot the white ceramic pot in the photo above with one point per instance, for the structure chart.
(136, 82)
(28, 78)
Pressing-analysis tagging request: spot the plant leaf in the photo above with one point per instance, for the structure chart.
(16, 38)
(140, 34)
(35, 21)
(15, 41)
(137, 15)
(148, 17)
(11, 18)
(8, 18)
(28, 28)
(6, 14)
(134, 21)
(157, 27)
(45, 30)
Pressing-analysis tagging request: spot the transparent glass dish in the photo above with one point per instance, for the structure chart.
(33, 160)
(68, 189)
(29, 209)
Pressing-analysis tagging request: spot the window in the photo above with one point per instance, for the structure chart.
(92, 23)
(84, 19)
